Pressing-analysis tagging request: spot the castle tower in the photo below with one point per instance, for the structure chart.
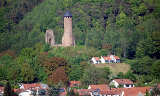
(67, 39)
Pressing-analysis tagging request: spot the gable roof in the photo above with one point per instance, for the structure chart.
(30, 86)
(135, 91)
(111, 92)
(100, 86)
(106, 57)
(116, 57)
(83, 92)
(123, 81)
(96, 58)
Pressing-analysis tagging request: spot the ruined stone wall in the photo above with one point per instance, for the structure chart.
(49, 37)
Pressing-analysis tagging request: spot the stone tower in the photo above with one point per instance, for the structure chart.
(49, 37)
(68, 39)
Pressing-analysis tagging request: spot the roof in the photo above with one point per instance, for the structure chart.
(96, 58)
(135, 91)
(123, 81)
(106, 58)
(111, 92)
(30, 86)
(100, 86)
(68, 14)
(116, 57)
(72, 83)
(83, 92)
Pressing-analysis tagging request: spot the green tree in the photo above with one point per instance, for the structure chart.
(156, 69)
(107, 73)
(76, 72)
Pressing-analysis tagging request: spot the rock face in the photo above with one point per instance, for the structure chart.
(49, 37)
(68, 39)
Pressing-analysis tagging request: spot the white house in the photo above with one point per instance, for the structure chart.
(125, 83)
(110, 59)
(95, 60)
(26, 93)
(105, 59)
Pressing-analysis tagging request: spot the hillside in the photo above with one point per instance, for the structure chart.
(115, 67)
(128, 29)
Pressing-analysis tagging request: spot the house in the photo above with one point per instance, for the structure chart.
(117, 59)
(95, 60)
(98, 86)
(83, 92)
(74, 84)
(62, 92)
(105, 59)
(110, 59)
(135, 91)
(111, 93)
(125, 83)
(26, 93)
(34, 86)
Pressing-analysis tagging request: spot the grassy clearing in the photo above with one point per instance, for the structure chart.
(115, 67)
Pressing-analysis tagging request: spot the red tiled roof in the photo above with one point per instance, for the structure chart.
(123, 81)
(83, 92)
(96, 58)
(134, 91)
(106, 57)
(111, 92)
(72, 83)
(29, 86)
(116, 57)
(100, 86)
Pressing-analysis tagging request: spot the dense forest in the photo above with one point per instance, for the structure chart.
(127, 28)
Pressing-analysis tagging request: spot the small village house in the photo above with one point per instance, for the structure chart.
(125, 83)
(95, 60)
(110, 59)
(99, 86)
(74, 84)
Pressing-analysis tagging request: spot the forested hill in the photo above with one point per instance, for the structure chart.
(127, 28)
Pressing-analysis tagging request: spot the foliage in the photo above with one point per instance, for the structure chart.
(93, 75)
(72, 93)
(155, 91)
(75, 73)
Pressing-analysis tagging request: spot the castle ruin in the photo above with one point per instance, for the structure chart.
(67, 39)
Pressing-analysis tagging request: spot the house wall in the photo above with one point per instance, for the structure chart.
(102, 60)
(114, 83)
(95, 61)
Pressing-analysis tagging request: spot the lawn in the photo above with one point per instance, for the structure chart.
(115, 67)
